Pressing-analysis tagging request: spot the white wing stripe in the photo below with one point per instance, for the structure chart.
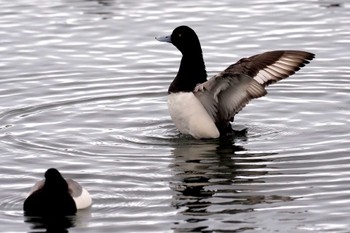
(291, 63)
(281, 72)
(263, 76)
(284, 66)
(259, 78)
(294, 60)
(273, 73)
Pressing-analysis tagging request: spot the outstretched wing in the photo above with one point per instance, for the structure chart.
(228, 92)
(270, 67)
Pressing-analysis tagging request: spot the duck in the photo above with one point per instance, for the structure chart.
(204, 108)
(56, 196)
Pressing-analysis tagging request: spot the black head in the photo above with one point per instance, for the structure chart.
(54, 181)
(185, 39)
(192, 68)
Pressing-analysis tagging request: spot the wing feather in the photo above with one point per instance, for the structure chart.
(226, 93)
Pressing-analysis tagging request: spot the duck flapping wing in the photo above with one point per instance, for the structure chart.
(226, 93)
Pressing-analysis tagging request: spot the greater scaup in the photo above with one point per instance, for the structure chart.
(56, 196)
(203, 108)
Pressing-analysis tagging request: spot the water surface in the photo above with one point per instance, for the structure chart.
(83, 86)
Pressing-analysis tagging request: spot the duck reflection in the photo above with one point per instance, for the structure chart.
(214, 178)
(51, 224)
(58, 223)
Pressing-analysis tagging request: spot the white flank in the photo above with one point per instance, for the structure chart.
(190, 117)
(84, 200)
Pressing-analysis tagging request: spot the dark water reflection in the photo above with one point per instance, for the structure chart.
(57, 223)
(210, 179)
(106, 9)
(53, 224)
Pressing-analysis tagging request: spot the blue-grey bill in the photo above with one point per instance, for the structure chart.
(164, 38)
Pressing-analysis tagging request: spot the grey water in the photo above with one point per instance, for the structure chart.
(83, 88)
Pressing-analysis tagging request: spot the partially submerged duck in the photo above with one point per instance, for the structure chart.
(56, 196)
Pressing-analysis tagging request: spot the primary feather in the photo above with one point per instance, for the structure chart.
(226, 93)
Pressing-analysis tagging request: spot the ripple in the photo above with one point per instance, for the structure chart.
(61, 118)
(85, 92)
